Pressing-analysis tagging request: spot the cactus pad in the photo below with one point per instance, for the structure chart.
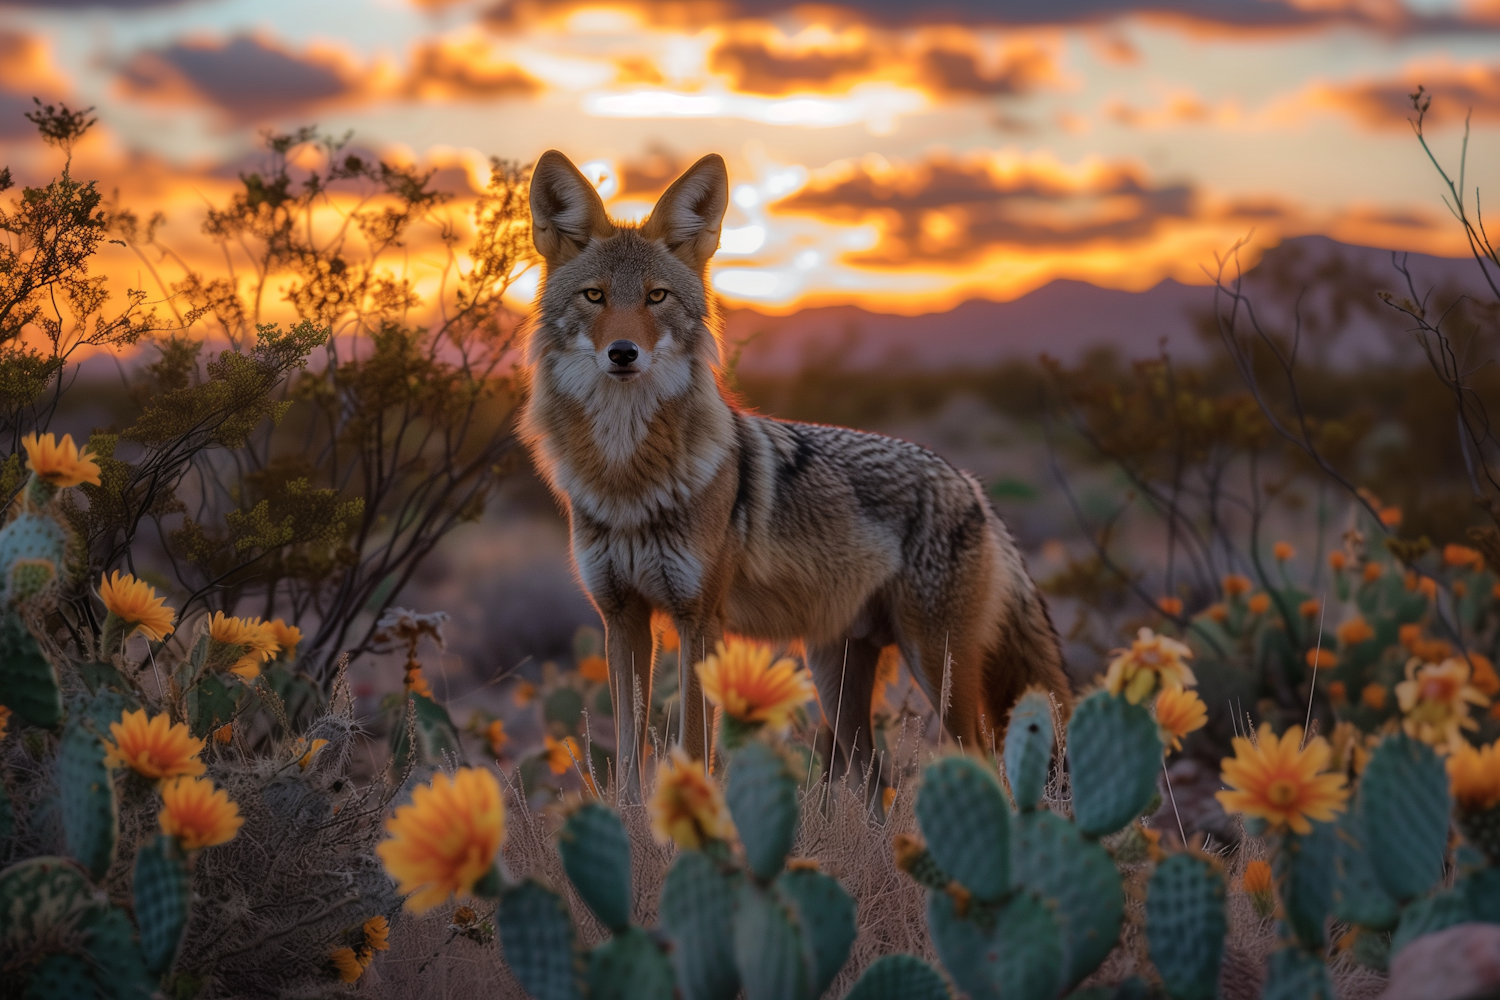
(1114, 755)
(697, 912)
(1295, 974)
(1431, 914)
(1077, 877)
(536, 941)
(119, 967)
(30, 538)
(967, 950)
(26, 676)
(162, 901)
(630, 966)
(762, 798)
(824, 914)
(1028, 748)
(86, 794)
(964, 816)
(596, 855)
(899, 977)
(767, 947)
(1358, 895)
(1404, 795)
(1305, 866)
(59, 976)
(1185, 926)
(1031, 951)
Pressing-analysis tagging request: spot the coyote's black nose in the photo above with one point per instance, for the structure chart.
(622, 353)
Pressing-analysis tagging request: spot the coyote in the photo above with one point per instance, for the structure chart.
(683, 503)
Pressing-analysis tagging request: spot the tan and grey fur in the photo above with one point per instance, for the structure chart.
(682, 503)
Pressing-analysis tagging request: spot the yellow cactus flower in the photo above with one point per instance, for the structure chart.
(287, 638)
(741, 679)
(594, 668)
(445, 840)
(153, 748)
(1151, 661)
(1179, 712)
(687, 807)
(254, 637)
(1351, 751)
(347, 964)
(1474, 776)
(312, 751)
(198, 814)
(1282, 782)
(887, 799)
(1435, 700)
(60, 464)
(377, 933)
(135, 603)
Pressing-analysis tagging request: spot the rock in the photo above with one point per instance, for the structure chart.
(1458, 963)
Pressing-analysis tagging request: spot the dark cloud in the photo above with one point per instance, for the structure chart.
(246, 77)
(951, 210)
(1387, 104)
(954, 71)
(758, 69)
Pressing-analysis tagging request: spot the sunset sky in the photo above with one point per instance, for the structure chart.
(901, 156)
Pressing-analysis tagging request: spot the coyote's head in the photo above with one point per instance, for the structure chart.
(623, 303)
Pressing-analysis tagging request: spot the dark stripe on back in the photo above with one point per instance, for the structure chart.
(740, 512)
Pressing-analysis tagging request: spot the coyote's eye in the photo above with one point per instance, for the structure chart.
(657, 295)
(593, 295)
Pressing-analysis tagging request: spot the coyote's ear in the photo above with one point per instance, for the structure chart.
(687, 218)
(565, 210)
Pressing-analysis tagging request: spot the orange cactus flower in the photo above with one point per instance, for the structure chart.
(1152, 661)
(346, 964)
(594, 668)
(687, 807)
(377, 932)
(1460, 589)
(1338, 692)
(4, 720)
(1373, 696)
(1428, 588)
(1391, 517)
(254, 638)
(287, 638)
(523, 693)
(1462, 555)
(224, 734)
(1338, 560)
(887, 799)
(1321, 659)
(1474, 776)
(445, 840)
(198, 814)
(1217, 612)
(495, 736)
(60, 463)
(1260, 887)
(1259, 604)
(1283, 551)
(1435, 700)
(135, 603)
(1484, 674)
(1354, 631)
(1432, 650)
(1179, 712)
(562, 753)
(1373, 571)
(1169, 605)
(741, 679)
(1409, 635)
(1310, 608)
(1235, 585)
(1282, 782)
(154, 748)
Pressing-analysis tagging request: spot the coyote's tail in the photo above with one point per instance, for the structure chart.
(1027, 654)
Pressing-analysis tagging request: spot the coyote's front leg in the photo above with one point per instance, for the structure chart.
(699, 638)
(627, 643)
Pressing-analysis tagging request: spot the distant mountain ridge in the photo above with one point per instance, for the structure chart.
(1067, 318)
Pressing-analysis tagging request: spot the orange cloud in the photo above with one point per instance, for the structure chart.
(26, 71)
(1387, 104)
(463, 69)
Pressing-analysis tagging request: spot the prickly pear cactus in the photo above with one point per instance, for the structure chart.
(1305, 866)
(824, 914)
(630, 966)
(86, 797)
(767, 948)
(26, 676)
(1031, 951)
(1185, 926)
(1404, 796)
(1293, 973)
(163, 896)
(965, 944)
(899, 977)
(762, 799)
(119, 967)
(30, 538)
(966, 821)
(536, 941)
(59, 976)
(1077, 878)
(1359, 897)
(697, 912)
(595, 853)
(1028, 749)
(1114, 755)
